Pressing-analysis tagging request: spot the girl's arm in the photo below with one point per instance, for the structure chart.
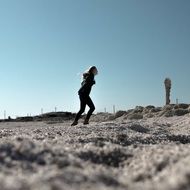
(90, 80)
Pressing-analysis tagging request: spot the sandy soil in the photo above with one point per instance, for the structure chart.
(123, 154)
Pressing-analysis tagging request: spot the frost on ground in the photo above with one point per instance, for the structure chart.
(122, 154)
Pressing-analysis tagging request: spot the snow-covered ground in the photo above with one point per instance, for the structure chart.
(121, 154)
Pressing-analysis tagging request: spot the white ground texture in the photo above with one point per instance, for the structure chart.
(122, 154)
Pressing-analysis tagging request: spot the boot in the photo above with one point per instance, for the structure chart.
(74, 123)
(86, 122)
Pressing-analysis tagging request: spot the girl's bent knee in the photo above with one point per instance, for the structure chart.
(93, 109)
(81, 111)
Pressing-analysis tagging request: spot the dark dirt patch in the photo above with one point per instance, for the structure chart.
(111, 158)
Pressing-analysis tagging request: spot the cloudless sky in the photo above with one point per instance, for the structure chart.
(45, 45)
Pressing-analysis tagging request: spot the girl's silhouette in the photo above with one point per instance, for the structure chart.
(84, 95)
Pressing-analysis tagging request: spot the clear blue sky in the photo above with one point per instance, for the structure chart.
(135, 44)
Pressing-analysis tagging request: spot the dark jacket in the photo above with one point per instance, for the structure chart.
(86, 85)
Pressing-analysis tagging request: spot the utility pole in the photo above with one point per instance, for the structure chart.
(55, 109)
(5, 114)
(105, 110)
(113, 109)
(42, 111)
(177, 101)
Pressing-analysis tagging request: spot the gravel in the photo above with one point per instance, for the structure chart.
(150, 153)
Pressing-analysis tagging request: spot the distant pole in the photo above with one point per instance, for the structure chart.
(113, 109)
(55, 109)
(105, 110)
(5, 114)
(42, 111)
(177, 101)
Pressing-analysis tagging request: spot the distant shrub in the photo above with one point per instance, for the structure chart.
(150, 107)
(25, 119)
(180, 112)
(138, 109)
(135, 116)
(155, 110)
(181, 106)
(120, 113)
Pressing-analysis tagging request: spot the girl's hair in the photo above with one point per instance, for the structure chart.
(87, 72)
(91, 69)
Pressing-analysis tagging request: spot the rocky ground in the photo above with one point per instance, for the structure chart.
(148, 153)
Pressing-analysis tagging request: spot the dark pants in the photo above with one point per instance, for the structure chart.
(85, 100)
